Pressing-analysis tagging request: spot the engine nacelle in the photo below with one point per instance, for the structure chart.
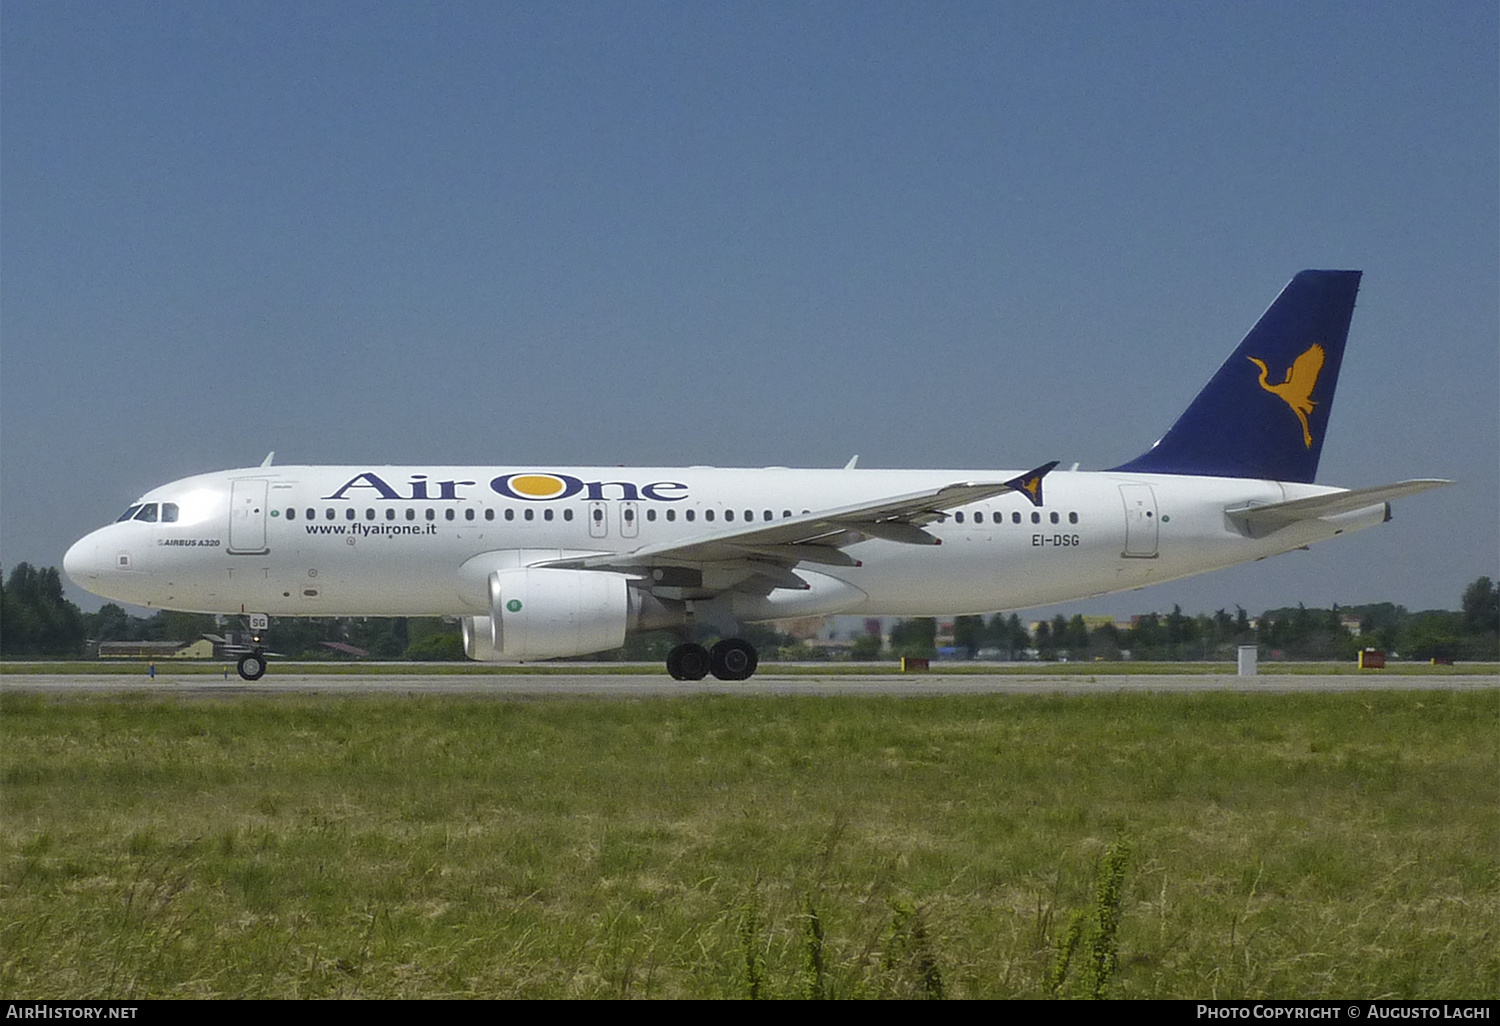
(538, 613)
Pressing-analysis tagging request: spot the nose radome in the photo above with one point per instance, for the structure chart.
(81, 562)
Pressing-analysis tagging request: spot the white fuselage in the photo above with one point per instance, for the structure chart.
(421, 541)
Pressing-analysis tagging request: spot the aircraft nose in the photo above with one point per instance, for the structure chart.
(81, 561)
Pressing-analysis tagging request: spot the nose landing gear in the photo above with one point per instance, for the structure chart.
(252, 665)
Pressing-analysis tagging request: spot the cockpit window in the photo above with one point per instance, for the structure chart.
(129, 513)
(169, 512)
(147, 513)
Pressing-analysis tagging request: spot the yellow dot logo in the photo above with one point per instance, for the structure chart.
(534, 487)
(537, 486)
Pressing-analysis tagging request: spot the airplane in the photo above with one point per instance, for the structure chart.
(556, 562)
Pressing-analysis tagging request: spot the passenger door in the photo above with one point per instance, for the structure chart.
(1140, 521)
(247, 516)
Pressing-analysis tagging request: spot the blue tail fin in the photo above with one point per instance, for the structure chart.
(1264, 413)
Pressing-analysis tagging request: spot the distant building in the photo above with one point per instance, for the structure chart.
(806, 628)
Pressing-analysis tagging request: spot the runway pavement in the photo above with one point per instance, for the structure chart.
(765, 683)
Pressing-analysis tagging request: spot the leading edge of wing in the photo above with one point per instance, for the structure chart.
(818, 536)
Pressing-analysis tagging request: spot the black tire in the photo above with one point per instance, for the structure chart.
(733, 659)
(252, 666)
(688, 662)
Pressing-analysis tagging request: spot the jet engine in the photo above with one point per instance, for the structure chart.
(541, 613)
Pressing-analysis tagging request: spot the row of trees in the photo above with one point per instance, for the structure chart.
(1473, 633)
(36, 620)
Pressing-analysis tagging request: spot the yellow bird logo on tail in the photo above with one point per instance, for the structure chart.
(1296, 390)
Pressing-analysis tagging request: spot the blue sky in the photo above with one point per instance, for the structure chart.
(944, 234)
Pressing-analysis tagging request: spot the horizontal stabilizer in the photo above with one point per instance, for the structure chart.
(1260, 521)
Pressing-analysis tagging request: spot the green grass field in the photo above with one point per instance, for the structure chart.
(1207, 845)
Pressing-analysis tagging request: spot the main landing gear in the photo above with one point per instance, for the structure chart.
(730, 659)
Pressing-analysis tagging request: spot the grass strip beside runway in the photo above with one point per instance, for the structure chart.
(1241, 845)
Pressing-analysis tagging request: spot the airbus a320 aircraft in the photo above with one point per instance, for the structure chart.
(565, 561)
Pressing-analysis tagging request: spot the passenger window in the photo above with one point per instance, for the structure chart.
(1015, 518)
(448, 513)
(598, 515)
(690, 514)
(959, 517)
(629, 515)
(370, 513)
(510, 514)
(548, 514)
(766, 515)
(411, 514)
(728, 514)
(312, 514)
(708, 514)
(1072, 518)
(349, 513)
(169, 512)
(1036, 518)
(469, 513)
(749, 514)
(128, 514)
(651, 514)
(671, 514)
(567, 514)
(328, 513)
(390, 512)
(489, 514)
(291, 513)
(431, 514)
(1054, 517)
(530, 514)
(786, 514)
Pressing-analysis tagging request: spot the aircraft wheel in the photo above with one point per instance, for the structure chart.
(688, 662)
(252, 666)
(733, 659)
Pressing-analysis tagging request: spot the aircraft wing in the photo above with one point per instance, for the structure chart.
(770, 550)
(1260, 521)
